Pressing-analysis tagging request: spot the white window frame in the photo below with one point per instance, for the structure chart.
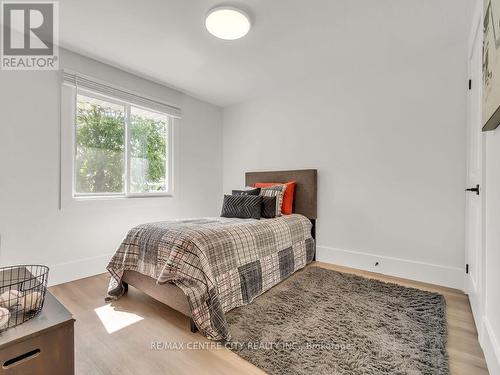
(126, 193)
(74, 83)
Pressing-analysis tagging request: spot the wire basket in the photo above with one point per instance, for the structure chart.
(22, 293)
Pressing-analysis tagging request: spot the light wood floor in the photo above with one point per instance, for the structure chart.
(128, 350)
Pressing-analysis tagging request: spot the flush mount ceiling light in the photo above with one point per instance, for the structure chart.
(227, 23)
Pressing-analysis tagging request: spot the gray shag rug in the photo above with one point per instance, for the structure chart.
(320, 321)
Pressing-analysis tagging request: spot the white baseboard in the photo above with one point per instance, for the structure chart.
(491, 348)
(452, 277)
(78, 269)
(419, 271)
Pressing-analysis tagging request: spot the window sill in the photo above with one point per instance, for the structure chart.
(83, 198)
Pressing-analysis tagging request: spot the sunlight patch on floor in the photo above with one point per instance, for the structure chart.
(114, 320)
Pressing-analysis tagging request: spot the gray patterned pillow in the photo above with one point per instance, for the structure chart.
(242, 206)
(277, 191)
(268, 207)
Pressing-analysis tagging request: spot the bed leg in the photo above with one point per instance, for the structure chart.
(194, 329)
(313, 235)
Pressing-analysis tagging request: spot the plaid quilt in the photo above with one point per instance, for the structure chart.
(219, 263)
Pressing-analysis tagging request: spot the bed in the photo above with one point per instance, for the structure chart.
(205, 267)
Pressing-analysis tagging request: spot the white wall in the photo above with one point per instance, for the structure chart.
(78, 240)
(385, 127)
(491, 319)
(487, 302)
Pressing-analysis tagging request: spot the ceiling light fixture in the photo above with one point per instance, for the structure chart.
(227, 23)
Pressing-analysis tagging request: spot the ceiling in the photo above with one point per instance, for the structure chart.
(290, 41)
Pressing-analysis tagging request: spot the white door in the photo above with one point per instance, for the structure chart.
(474, 194)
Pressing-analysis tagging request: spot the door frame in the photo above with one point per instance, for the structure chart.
(477, 304)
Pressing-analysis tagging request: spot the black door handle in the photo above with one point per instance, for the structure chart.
(476, 189)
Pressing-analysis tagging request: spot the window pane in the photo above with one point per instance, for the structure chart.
(100, 149)
(148, 151)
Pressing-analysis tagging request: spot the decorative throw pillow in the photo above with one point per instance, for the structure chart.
(287, 205)
(275, 191)
(268, 207)
(249, 191)
(242, 206)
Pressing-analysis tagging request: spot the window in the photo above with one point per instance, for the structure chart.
(115, 143)
(119, 149)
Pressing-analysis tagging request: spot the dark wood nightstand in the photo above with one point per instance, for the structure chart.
(42, 345)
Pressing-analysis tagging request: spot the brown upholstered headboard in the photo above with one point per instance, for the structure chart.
(306, 190)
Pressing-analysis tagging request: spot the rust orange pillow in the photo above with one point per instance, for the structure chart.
(287, 205)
